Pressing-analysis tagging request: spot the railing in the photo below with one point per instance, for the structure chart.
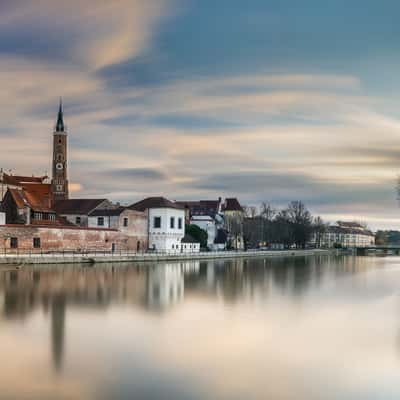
(94, 253)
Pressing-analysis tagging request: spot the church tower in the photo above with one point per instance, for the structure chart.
(59, 182)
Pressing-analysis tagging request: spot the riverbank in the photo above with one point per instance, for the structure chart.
(94, 258)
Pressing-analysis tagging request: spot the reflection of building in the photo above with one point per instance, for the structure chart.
(165, 286)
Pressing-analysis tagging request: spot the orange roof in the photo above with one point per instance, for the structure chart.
(36, 196)
(17, 180)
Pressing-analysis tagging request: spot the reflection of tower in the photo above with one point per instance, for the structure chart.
(58, 303)
(165, 286)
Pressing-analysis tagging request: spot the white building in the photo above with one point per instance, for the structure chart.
(347, 234)
(2, 217)
(166, 223)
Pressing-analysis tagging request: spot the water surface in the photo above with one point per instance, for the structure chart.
(299, 328)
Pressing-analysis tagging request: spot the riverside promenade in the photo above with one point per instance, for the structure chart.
(123, 257)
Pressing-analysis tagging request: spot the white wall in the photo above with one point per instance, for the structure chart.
(188, 248)
(2, 218)
(207, 224)
(165, 238)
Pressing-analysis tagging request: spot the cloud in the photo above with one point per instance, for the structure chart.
(102, 32)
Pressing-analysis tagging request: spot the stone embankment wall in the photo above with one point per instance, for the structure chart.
(67, 239)
(121, 257)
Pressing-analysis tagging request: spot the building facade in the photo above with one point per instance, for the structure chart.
(131, 223)
(165, 223)
(346, 234)
(63, 238)
(76, 211)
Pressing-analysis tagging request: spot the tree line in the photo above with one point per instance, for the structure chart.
(291, 226)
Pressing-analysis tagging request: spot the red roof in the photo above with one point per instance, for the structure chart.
(232, 204)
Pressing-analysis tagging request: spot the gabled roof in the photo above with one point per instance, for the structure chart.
(17, 180)
(154, 202)
(201, 207)
(77, 206)
(232, 204)
(35, 196)
(107, 212)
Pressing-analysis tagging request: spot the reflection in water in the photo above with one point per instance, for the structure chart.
(277, 285)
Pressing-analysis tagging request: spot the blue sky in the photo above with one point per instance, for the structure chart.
(263, 100)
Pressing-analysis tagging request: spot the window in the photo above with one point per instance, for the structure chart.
(14, 243)
(157, 222)
(52, 217)
(36, 243)
(172, 246)
(126, 222)
(78, 220)
(100, 221)
(172, 223)
(37, 215)
(179, 223)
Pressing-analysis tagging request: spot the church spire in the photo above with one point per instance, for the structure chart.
(60, 127)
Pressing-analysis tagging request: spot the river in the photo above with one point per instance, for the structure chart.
(323, 327)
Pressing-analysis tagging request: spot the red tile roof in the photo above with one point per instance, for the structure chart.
(36, 196)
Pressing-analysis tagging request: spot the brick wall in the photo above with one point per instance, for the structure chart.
(67, 238)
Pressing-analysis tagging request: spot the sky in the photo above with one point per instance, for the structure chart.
(196, 99)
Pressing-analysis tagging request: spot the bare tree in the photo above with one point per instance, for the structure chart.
(267, 211)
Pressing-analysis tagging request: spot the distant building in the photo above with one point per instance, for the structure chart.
(77, 211)
(347, 234)
(233, 222)
(132, 223)
(207, 215)
(166, 223)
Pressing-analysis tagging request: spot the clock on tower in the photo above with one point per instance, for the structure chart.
(59, 181)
